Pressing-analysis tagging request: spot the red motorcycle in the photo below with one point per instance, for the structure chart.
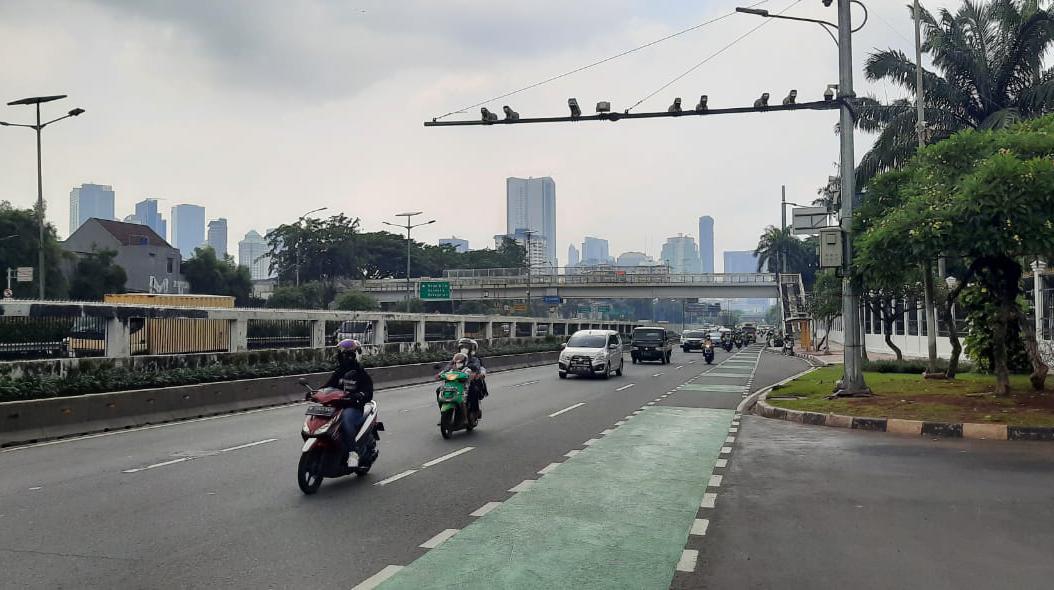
(325, 453)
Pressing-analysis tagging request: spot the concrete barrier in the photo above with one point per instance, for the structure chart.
(34, 420)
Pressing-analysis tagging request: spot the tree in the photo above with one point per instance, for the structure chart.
(356, 301)
(826, 303)
(306, 296)
(989, 56)
(321, 250)
(22, 250)
(776, 243)
(988, 197)
(209, 275)
(96, 275)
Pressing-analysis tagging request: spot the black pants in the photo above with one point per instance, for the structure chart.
(477, 390)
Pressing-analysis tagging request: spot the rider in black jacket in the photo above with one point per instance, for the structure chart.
(353, 378)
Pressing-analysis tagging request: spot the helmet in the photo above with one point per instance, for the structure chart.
(459, 360)
(467, 346)
(348, 348)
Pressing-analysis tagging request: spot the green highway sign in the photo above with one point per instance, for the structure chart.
(434, 290)
(603, 308)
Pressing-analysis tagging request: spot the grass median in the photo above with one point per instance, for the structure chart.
(967, 398)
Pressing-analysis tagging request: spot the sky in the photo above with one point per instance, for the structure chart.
(261, 110)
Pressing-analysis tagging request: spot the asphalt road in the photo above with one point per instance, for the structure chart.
(214, 503)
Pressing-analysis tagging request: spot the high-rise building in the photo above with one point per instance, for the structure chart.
(741, 261)
(595, 251)
(217, 237)
(634, 259)
(252, 252)
(90, 200)
(681, 254)
(188, 228)
(706, 243)
(573, 257)
(531, 204)
(147, 213)
(458, 244)
(537, 248)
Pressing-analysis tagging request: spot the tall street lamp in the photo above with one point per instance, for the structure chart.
(409, 226)
(299, 221)
(853, 380)
(37, 100)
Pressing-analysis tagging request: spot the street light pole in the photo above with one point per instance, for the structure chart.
(409, 226)
(36, 101)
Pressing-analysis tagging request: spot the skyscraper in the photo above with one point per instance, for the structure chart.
(681, 253)
(706, 243)
(458, 244)
(147, 213)
(537, 248)
(90, 200)
(188, 228)
(741, 261)
(595, 251)
(531, 204)
(572, 255)
(217, 237)
(252, 252)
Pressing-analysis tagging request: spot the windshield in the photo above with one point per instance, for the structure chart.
(587, 341)
(694, 334)
(715, 335)
(648, 334)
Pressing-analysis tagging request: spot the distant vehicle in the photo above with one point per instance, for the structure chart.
(355, 330)
(693, 340)
(592, 352)
(651, 344)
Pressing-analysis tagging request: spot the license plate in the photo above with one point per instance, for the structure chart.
(320, 411)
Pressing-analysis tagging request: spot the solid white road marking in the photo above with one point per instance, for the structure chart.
(523, 485)
(484, 509)
(35, 488)
(625, 387)
(439, 460)
(721, 463)
(687, 561)
(708, 500)
(567, 409)
(247, 445)
(715, 481)
(396, 477)
(156, 465)
(572, 453)
(699, 527)
(591, 442)
(656, 374)
(548, 468)
(437, 540)
(378, 578)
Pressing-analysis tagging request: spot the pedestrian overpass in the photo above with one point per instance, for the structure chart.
(594, 285)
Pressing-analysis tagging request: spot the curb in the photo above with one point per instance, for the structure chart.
(904, 427)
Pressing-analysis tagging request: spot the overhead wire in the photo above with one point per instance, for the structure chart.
(597, 63)
(711, 56)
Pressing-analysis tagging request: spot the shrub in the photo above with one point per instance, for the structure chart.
(910, 366)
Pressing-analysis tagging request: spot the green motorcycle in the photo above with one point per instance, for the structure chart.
(452, 395)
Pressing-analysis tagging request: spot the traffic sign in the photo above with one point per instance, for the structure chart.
(519, 307)
(434, 290)
(24, 274)
(603, 308)
(553, 299)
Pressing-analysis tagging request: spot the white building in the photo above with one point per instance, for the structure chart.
(681, 254)
(595, 251)
(458, 244)
(531, 205)
(252, 252)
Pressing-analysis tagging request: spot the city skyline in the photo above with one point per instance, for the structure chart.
(188, 228)
(90, 200)
(216, 237)
(530, 205)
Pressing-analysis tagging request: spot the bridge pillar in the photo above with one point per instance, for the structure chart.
(118, 338)
(419, 334)
(380, 330)
(534, 329)
(318, 334)
(239, 336)
(512, 329)
(459, 330)
(488, 330)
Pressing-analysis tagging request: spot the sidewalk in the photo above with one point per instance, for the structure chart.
(834, 357)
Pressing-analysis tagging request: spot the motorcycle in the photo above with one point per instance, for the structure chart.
(452, 396)
(708, 352)
(739, 341)
(728, 344)
(788, 347)
(325, 452)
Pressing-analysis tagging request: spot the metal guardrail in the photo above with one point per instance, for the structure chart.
(597, 278)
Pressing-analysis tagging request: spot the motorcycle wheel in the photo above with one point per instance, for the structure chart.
(446, 423)
(470, 425)
(620, 365)
(307, 472)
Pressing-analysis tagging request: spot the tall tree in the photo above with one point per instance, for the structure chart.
(96, 275)
(19, 244)
(209, 275)
(990, 74)
(775, 243)
(825, 303)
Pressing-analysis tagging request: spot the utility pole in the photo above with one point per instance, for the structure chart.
(920, 128)
(853, 379)
(409, 226)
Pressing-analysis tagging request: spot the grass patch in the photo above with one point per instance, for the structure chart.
(968, 398)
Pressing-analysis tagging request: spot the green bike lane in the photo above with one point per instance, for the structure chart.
(618, 513)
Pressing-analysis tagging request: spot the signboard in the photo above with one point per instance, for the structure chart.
(552, 299)
(24, 274)
(519, 307)
(603, 308)
(434, 290)
(809, 220)
(584, 309)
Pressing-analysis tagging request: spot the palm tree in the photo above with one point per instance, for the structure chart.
(991, 74)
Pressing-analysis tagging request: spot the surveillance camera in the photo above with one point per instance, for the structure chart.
(791, 98)
(702, 106)
(488, 116)
(676, 106)
(510, 115)
(572, 103)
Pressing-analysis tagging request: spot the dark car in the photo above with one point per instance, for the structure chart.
(651, 344)
(692, 340)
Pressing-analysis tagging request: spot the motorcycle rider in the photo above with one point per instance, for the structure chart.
(352, 377)
(477, 389)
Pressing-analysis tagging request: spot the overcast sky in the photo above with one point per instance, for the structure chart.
(263, 109)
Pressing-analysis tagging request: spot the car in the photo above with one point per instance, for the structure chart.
(651, 343)
(692, 340)
(593, 353)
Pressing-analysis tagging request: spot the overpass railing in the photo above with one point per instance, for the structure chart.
(596, 278)
(34, 330)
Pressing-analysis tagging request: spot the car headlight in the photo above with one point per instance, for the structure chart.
(599, 356)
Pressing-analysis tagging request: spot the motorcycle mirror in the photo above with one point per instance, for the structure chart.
(302, 381)
(563, 346)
